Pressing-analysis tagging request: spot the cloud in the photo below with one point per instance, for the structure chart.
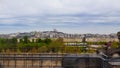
(59, 13)
(41, 7)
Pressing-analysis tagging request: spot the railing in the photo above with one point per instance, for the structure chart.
(53, 60)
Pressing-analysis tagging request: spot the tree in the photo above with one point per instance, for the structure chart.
(14, 42)
(25, 38)
(38, 40)
(114, 44)
(2, 43)
(47, 41)
(55, 45)
(21, 41)
(42, 49)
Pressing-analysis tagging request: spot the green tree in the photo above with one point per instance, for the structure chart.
(55, 45)
(42, 49)
(39, 40)
(14, 42)
(47, 41)
(26, 40)
(21, 41)
(114, 44)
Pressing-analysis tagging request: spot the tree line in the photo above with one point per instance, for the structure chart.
(25, 45)
(39, 45)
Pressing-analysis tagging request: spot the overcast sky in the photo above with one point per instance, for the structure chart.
(70, 16)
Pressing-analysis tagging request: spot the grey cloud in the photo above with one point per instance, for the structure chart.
(41, 7)
(48, 13)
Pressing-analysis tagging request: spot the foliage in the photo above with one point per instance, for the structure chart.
(24, 45)
(114, 44)
(25, 39)
(44, 46)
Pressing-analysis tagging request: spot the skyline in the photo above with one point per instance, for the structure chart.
(72, 16)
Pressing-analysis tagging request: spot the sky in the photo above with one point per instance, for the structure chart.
(70, 16)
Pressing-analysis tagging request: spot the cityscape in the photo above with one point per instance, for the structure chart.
(54, 49)
(59, 34)
(66, 36)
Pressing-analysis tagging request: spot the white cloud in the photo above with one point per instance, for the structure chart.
(59, 12)
(41, 7)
